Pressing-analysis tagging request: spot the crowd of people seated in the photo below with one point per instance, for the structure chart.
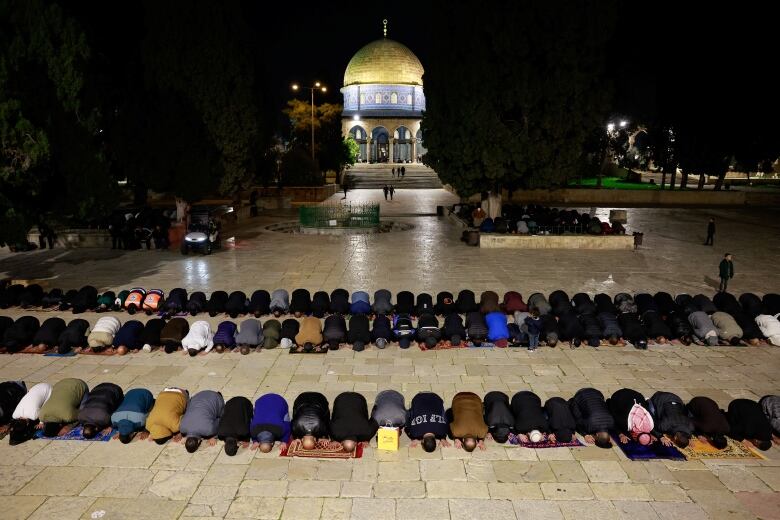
(175, 415)
(326, 321)
(534, 219)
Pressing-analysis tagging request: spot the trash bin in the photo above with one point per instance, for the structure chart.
(440, 211)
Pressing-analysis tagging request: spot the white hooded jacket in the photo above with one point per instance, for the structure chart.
(199, 337)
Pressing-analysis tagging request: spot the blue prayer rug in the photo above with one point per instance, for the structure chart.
(655, 450)
(75, 435)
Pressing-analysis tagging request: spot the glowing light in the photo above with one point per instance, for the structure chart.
(623, 123)
(295, 86)
(356, 117)
(610, 127)
(317, 84)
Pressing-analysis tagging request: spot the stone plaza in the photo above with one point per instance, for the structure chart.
(78, 479)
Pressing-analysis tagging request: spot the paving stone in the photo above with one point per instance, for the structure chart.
(464, 509)
(261, 508)
(442, 470)
(595, 510)
(209, 494)
(719, 505)
(119, 483)
(769, 475)
(699, 480)
(21, 453)
(566, 491)
(336, 509)
(134, 509)
(113, 454)
(762, 505)
(604, 471)
(620, 491)
(224, 475)
(313, 488)
(334, 470)
(302, 469)
(635, 510)
(175, 485)
(356, 489)
(568, 471)
(679, 511)
(510, 491)
(422, 509)
(667, 493)
(59, 453)
(408, 470)
(262, 488)
(480, 471)
(268, 469)
(412, 489)
(537, 510)
(62, 508)
(60, 481)
(14, 478)
(19, 507)
(372, 509)
(737, 478)
(448, 489)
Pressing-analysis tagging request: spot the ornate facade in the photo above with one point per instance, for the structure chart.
(384, 102)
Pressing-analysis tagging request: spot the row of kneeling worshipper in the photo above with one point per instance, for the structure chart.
(639, 320)
(175, 415)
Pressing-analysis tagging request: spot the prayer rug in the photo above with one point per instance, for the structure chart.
(635, 451)
(322, 450)
(443, 345)
(75, 435)
(698, 449)
(514, 440)
(57, 354)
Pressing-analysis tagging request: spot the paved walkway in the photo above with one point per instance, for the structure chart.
(42, 479)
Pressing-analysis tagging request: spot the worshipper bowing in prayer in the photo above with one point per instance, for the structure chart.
(234, 424)
(360, 303)
(476, 328)
(61, 410)
(709, 422)
(453, 331)
(467, 422)
(300, 302)
(280, 302)
(540, 302)
(426, 421)
(530, 420)
(382, 302)
(74, 336)
(403, 330)
(561, 421)
(339, 301)
(428, 331)
(225, 336)
(130, 417)
(197, 303)
(128, 337)
(445, 304)
(290, 329)
(424, 305)
(593, 419)
(249, 336)
(201, 419)
(703, 327)
(382, 331)
(311, 419)
(350, 422)
(164, 421)
(672, 417)
(173, 333)
(97, 407)
(513, 302)
(272, 332)
(270, 423)
(747, 421)
(633, 419)
(25, 418)
(771, 406)
(404, 303)
(259, 303)
(309, 337)
(20, 334)
(48, 335)
(498, 329)
(335, 331)
(466, 302)
(727, 328)
(102, 334)
(320, 304)
(198, 339)
(216, 303)
(389, 409)
(11, 394)
(236, 304)
(359, 334)
(499, 416)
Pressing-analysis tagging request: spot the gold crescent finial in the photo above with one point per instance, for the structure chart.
(384, 30)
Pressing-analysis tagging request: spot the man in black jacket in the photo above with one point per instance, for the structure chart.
(747, 421)
(320, 304)
(382, 331)
(453, 330)
(311, 419)
(570, 328)
(530, 420)
(562, 423)
(300, 302)
(709, 421)
(498, 416)
(620, 406)
(350, 422)
(334, 332)
(428, 331)
(359, 334)
(236, 304)
(426, 421)
(672, 417)
(592, 416)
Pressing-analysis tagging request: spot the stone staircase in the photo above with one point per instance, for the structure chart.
(375, 176)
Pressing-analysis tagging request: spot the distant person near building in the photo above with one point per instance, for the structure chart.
(392, 191)
(385, 190)
(710, 233)
(726, 271)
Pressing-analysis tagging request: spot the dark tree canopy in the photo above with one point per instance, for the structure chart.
(514, 94)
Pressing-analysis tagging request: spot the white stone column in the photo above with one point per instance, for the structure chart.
(390, 153)
(414, 150)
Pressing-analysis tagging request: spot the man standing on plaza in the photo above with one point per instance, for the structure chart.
(710, 233)
(726, 271)
(385, 190)
(392, 191)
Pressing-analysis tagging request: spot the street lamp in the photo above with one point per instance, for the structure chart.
(623, 123)
(317, 86)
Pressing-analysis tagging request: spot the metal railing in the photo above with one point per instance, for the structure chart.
(347, 215)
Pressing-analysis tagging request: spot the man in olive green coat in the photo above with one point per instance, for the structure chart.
(61, 411)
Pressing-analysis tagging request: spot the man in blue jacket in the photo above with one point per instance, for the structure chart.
(130, 417)
(270, 422)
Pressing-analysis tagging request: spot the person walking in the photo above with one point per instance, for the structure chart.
(726, 269)
(385, 190)
(392, 171)
(710, 233)
(403, 171)
(392, 191)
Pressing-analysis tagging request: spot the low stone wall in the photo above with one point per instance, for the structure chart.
(644, 198)
(300, 193)
(491, 241)
(70, 238)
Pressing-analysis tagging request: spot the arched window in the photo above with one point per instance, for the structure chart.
(394, 98)
(378, 98)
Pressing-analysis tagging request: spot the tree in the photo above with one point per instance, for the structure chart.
(51, 148)
(330, 149)
(297, 169)
(514, 103)
(200, 51)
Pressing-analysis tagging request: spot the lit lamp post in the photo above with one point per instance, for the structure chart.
(317, 86)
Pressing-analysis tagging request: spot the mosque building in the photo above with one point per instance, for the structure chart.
(384, 102)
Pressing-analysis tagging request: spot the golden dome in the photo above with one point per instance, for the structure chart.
(384, 61)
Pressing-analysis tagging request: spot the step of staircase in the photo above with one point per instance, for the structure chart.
(376, 176)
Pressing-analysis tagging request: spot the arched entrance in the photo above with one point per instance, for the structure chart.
(402, 145)
(359, 135)
(420, 150)
(380, 145)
